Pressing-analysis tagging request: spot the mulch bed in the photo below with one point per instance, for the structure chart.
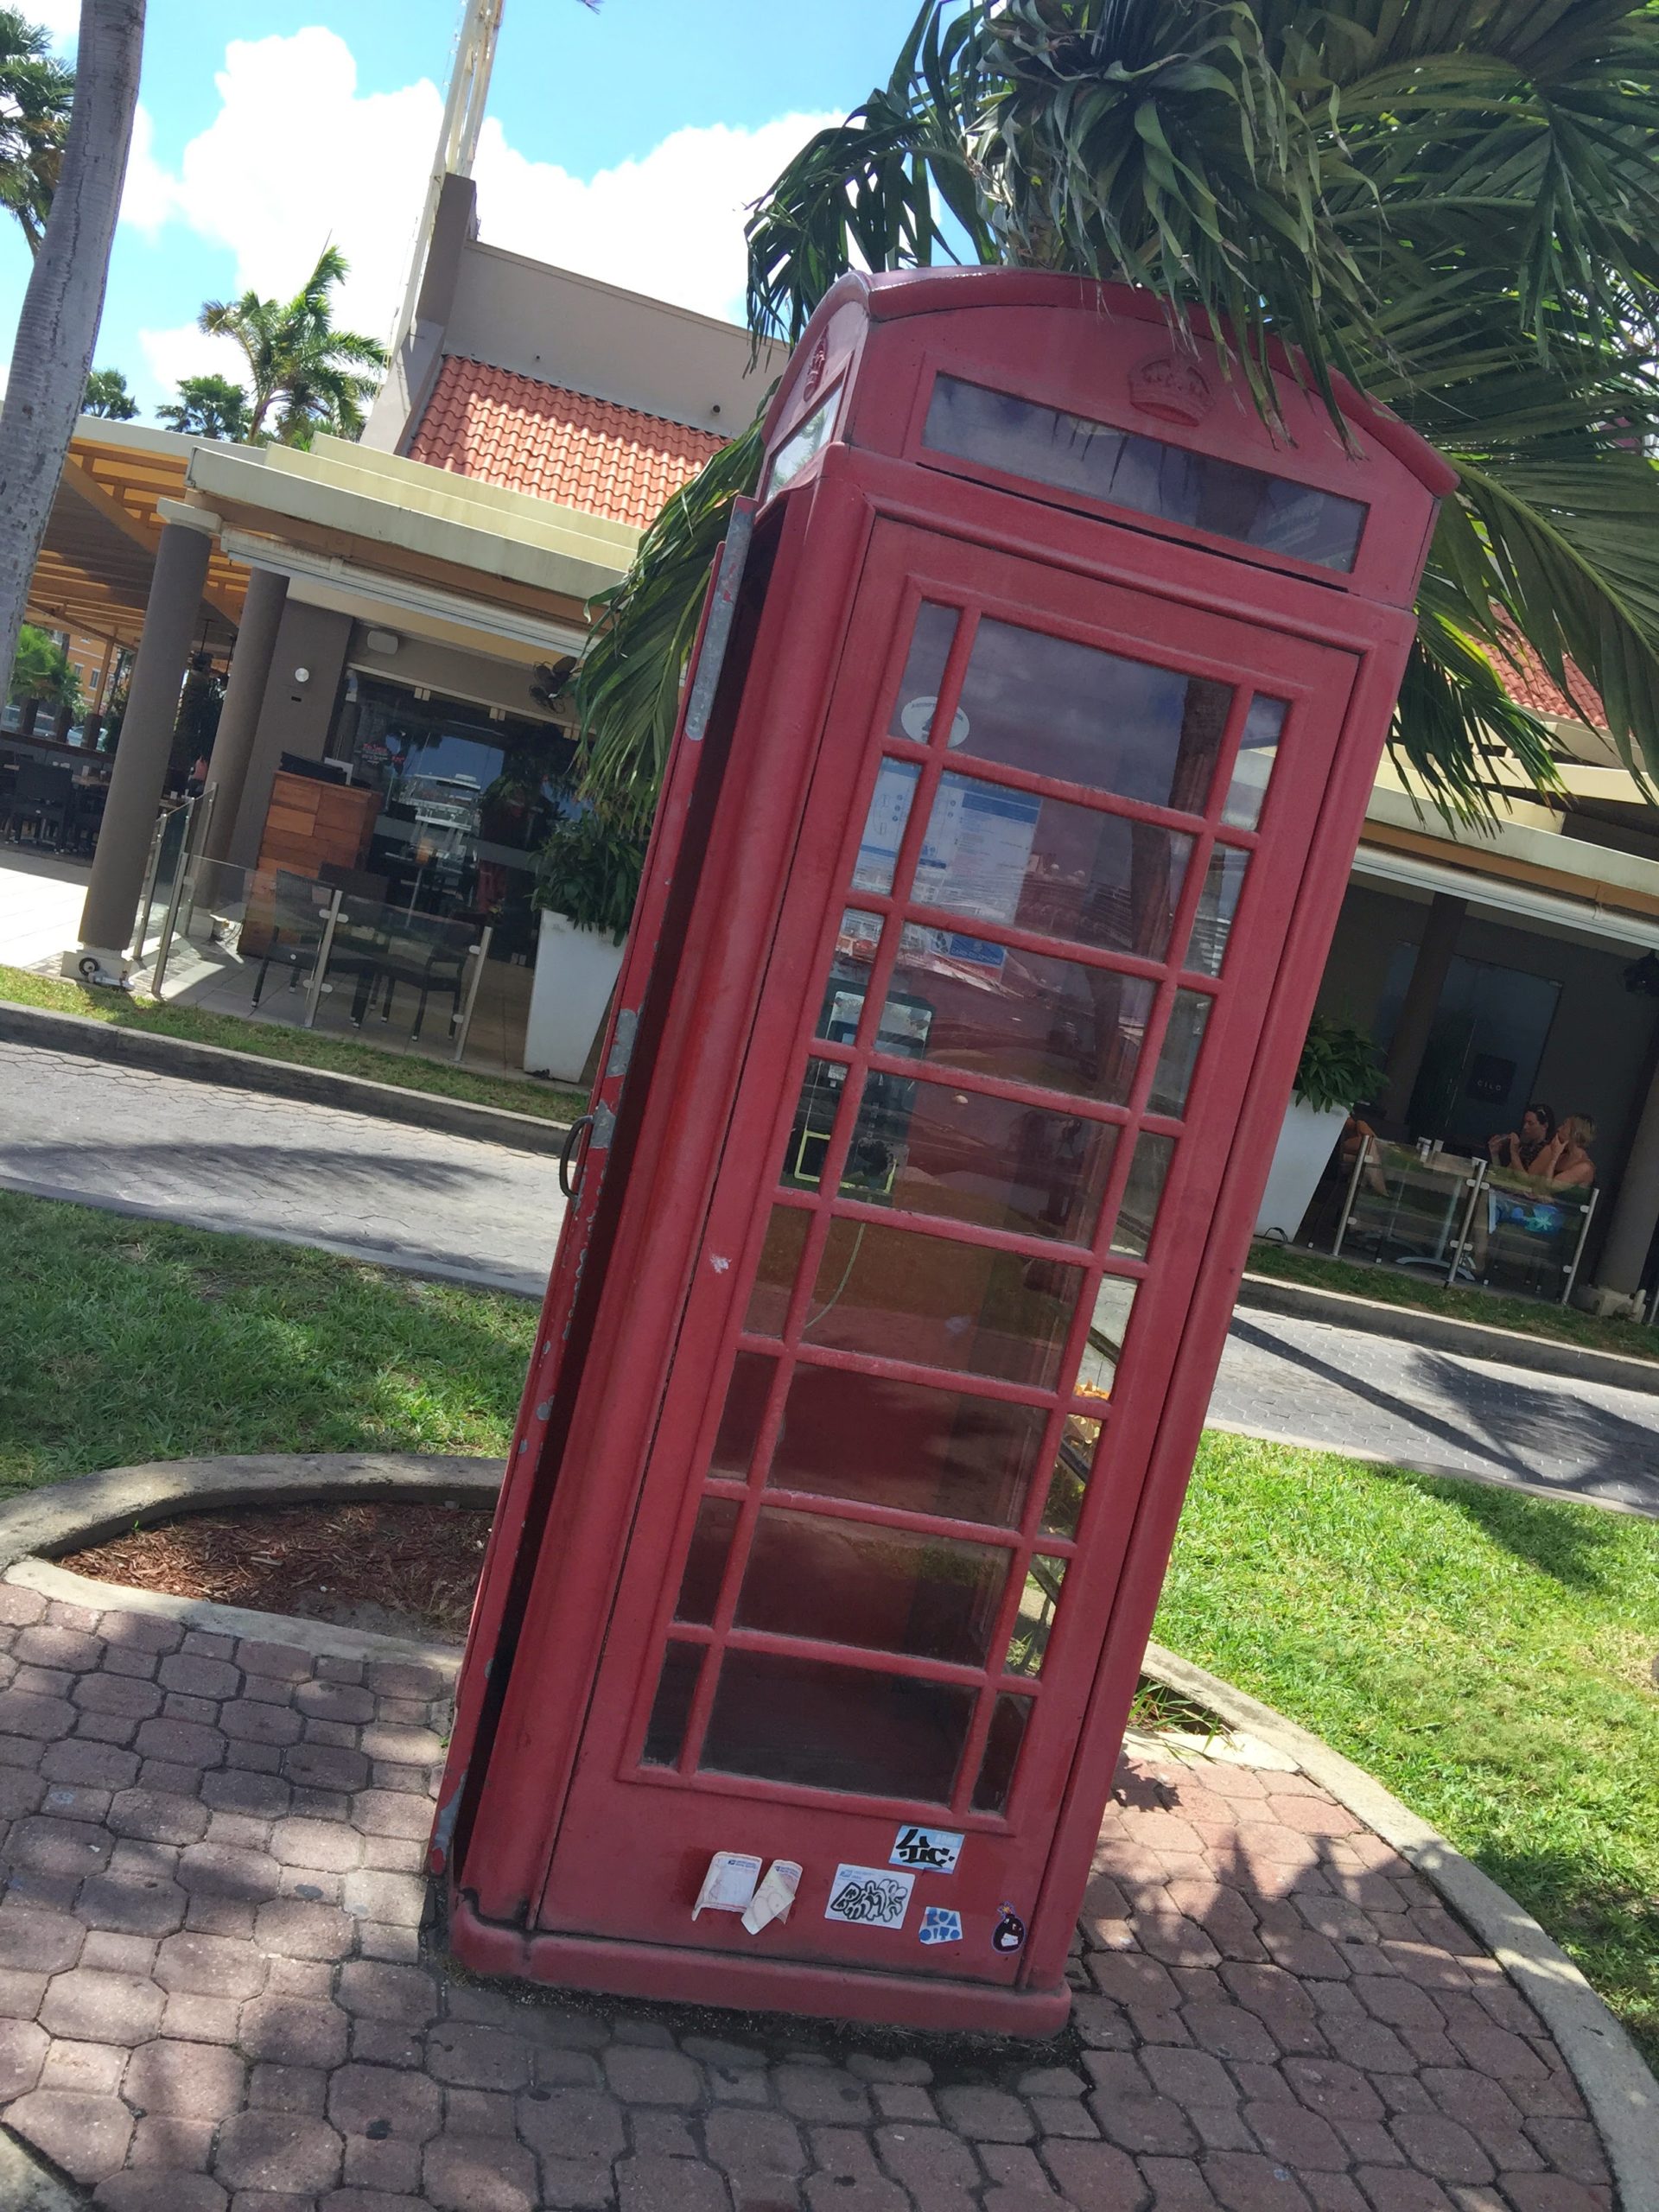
(400, 1570)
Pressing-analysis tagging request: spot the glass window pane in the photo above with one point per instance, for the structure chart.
(1033, 1624)
(1258, 748)
(903, 1445)
(744, 1411)
(973, 1158)
(856, 941)
(1082, 715)
(998, 856)
(675, 1687)
(1023, 438)
(884, 826)
(705, 1563)
(824, 1726)
(842, 1582)
(903, 1295)
(919, 687)
(1028, 1017)
(1212, 925)
(815, 1124)
(774, 1278)
(1138, 1210)
(1179, 1056)
(1073, 1464)
(1002, 1754)
(1114, 1302)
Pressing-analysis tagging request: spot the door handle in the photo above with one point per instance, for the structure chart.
(567, 1153)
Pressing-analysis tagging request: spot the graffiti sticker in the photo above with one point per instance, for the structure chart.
(930, 1851)
(869, 1897)
(940, 1925)
(1009, 1932)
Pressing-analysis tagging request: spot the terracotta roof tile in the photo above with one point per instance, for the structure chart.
(1524, 676)
(592, 455)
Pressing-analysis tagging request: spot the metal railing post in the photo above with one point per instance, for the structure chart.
(1476, 1186)
(1577, 1249)
(1360, 1158)
(478, 954)
(313, 989)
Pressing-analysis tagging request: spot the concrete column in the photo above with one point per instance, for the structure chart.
(244, 695)
(170, 621)
(1421, 1002)
(1635, 1212)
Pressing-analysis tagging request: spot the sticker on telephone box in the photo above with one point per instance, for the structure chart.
(940, 1924)
(926, 1851)
(869, 1897)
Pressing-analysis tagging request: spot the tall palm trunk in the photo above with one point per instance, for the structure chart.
(52, 355)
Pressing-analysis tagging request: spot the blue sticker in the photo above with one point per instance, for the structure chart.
(940, 1925)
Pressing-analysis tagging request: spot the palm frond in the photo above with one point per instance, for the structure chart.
(627, 684)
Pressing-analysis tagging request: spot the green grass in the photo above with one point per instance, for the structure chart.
(1484, 1653)
(1400, 1287)
(123, 1341)
(304, 1047)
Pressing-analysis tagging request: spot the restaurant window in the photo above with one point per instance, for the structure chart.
(466, 803)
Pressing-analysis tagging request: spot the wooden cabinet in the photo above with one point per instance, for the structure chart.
(308, 824)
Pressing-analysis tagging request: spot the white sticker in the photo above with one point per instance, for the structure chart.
(774, 1897)
(729, 1884)
(869, 1897)
(927, 1851)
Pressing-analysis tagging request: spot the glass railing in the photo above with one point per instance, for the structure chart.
(1463, 1220)
(273, 944)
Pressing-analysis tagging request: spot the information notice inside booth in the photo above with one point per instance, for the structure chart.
(993, 966)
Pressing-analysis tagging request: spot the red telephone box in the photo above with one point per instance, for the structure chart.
(1023, 761)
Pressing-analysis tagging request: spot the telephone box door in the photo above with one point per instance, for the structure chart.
(1047, 867)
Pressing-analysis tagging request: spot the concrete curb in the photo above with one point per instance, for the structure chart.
(64, 1517)
(1302, 1302)
(350, 1094)
(322, 1638)
(1622, 2095)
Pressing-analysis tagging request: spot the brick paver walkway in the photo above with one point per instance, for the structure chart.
(214, 1994)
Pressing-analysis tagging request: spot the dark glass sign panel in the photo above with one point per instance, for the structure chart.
(1153, 477)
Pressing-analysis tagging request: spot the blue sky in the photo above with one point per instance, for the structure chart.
(623, 142)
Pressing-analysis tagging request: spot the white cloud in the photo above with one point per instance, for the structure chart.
(670, 224)
(60, 18)
(184, 350)
(298, 156)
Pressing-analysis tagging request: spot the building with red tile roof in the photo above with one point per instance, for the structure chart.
(511, 430)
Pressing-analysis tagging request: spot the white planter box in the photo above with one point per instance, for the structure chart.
(575, 972)
(1304, 1144)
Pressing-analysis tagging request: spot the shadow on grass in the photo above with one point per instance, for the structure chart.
(1569, 1547)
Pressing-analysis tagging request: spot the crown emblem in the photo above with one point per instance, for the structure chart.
(1173, 390)
(815, 369)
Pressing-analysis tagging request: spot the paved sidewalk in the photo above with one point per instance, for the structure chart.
(1350, 1391)
(227, 1159)
(215, 1997)
(224, 1158)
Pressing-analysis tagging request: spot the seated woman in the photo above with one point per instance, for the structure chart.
(1520, 1148)
(1566, 1161)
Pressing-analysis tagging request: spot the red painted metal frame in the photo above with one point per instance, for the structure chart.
(859, 537)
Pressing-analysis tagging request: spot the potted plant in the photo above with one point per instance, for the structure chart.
(586, 878)
(1338, 1067)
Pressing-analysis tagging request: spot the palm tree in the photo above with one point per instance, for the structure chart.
(318, 378)
(207, 407)
(52, 355)
(1455, 202)
(106, 394)
(42, 675)
(35, 92)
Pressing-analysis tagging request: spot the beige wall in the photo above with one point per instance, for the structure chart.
(448, 670)
(295, 717)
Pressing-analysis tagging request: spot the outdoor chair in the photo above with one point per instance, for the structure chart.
(40, 799)
(87, 817)
(299, 910)
(427, 962)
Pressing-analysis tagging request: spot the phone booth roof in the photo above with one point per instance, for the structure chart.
(1081, 394)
